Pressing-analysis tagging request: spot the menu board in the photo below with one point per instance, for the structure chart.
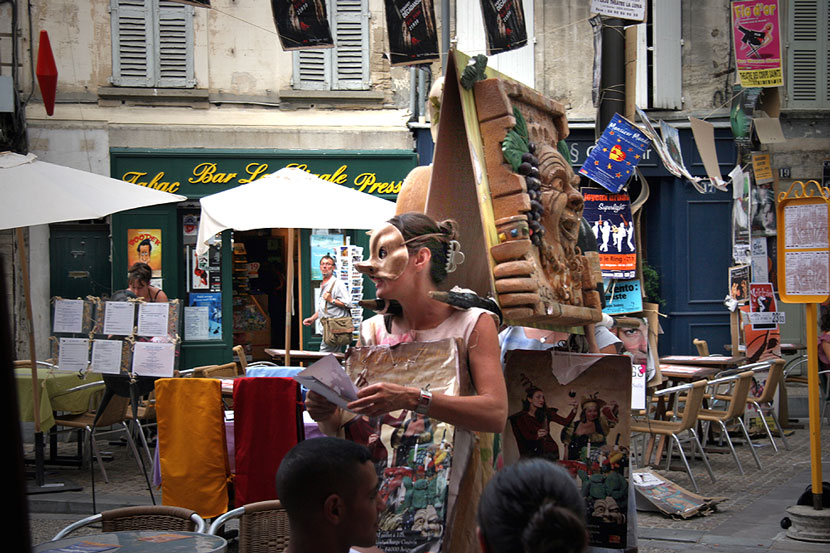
(804, 249)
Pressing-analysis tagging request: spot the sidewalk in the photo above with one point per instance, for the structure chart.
(747, 521)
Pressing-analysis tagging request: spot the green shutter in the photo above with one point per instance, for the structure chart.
(808, 69)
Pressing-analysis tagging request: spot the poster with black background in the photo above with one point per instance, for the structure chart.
(302, 24)
(412, 33)
(504, 21)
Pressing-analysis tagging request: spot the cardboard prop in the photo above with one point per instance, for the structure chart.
(584, 410)
(544, 280)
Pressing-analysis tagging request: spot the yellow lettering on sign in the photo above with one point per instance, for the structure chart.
(155, 183)
(206, 173)
(370, 180)
(254, 170)
(338, 177)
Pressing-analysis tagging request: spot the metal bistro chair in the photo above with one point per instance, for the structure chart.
(686, 423)
(263, 527)
(734, 411)
(156, 517)
(764, 403)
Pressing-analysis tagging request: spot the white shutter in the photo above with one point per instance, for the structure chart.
(808, 68)
(471, 35)
(312, 69)
(132, 43)
(174, 45)
(666, 76)
(350, 30)
(152, 44)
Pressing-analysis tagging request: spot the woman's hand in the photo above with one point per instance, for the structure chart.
(541, 433)
(319, 407)
(379, 399)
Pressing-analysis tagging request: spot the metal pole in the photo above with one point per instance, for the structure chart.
(813, 405)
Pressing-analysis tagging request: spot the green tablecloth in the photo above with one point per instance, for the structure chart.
(51, 383)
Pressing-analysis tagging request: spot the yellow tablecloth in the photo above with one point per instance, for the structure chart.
(51, 383)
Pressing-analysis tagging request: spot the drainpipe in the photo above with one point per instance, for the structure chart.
(612, 81)
(445, 33)
(413, 103)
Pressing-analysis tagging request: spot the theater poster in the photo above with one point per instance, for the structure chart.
(144, 245)
(504, 25)
(412, 32)
(757, 34)
(573, 409)
(609, 215)
(302, 24)
(618, 151)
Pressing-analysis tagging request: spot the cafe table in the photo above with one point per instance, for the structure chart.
(53, 383)
(144, 541)
(301, 355)
(722, 363)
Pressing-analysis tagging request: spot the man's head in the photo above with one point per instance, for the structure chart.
(144, 249)
(329, 487)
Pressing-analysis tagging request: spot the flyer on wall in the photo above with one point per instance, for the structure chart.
(144, 246)
(609, 215)
(412, 31)
(617, 153)
(757, 38)
(213, 301)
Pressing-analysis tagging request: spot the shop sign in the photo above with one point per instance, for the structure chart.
(376, 174)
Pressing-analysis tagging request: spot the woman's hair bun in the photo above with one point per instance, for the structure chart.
(554, 528)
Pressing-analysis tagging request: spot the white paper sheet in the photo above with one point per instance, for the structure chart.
(73, 354)
(106, 355)
(69, 316)
(197, 323)
(154, 359)
(152, 319)
(119, 317)
(805, 226)
(327, 378)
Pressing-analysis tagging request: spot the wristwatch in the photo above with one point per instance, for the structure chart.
(423, 402)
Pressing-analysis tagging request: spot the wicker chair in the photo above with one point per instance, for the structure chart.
(263, 527)
(158, 517)
(216, 371)
(702, 347)
(243, 360)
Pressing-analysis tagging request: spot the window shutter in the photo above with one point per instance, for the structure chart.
(132, 47)
(174, 45)
(808, 68)
(666, 76)
(350, 56)
(312, 69)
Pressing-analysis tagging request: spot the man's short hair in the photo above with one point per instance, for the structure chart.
(313, 470)
(145, 242)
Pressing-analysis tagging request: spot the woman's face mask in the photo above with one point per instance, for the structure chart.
(388, 254)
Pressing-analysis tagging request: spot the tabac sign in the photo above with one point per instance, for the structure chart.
(198, 174)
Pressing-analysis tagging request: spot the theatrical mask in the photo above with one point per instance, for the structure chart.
(388, 254)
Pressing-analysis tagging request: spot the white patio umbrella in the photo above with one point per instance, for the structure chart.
(34, 192)
(290, 198)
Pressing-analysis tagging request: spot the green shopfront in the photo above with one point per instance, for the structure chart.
(242, 279)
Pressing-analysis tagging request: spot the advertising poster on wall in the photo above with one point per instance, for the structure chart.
(634, 10)
(213, 301)
(504, 23)
(609, 216)
(623, 296)
(616, 155)
(323, 244)
(569, 409)
(762, 300)
(144, 245)
(739, 283)
(412, 31)
(757, 35)
(302, 24)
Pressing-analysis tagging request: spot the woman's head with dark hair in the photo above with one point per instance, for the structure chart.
(535, 397)
(139, 273)
(532, 506)
(824, 322)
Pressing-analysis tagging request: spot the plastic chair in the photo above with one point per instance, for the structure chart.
(764, 403)
(734, 411)
(263, 527)
(686, 423)
(702, 347)
(157, 517)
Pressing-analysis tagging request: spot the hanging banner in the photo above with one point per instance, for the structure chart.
(302, 24)
(412, 31)
(504, 23)
(617, 153)
(609, 216)
(756, 32)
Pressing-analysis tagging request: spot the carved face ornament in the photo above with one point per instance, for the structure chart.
(563, 203)
(388, 254)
